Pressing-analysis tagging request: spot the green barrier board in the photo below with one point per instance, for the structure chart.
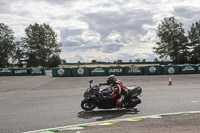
(6, 72)
(198, 68)
(80, 71)
(37, 71)
(152, 70)
(172, 69)
(117, 71)
(134, 70)
(61, 72)
(188, 69)
(21, 71)
(98, 71)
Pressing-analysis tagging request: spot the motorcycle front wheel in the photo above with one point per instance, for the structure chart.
(87, 106)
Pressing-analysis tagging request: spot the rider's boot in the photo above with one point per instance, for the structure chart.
(119, 106)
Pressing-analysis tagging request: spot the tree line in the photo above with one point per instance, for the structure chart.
(177, 46)
(38, 48)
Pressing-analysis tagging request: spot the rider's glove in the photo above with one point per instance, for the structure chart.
(103, 84)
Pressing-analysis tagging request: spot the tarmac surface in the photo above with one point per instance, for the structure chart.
(183, 123)
(40, 103)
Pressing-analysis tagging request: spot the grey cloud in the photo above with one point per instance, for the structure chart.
(111, 48)
(68, 32)
(65, 33)
(4, 6)
(84, 48)
(57, 2)
(147, 2)
(78, 57)
(124, 22)
(186, 15)
(131, 56)
(80, 44)
(186, 12)
(128, 24)
(70, 44)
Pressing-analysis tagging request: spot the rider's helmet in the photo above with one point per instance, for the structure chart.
(111, 80)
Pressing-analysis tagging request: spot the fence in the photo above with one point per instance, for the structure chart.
(127, 70)
(22, 71)
(104, 71)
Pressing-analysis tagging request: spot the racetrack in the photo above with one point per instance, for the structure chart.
(30, 103)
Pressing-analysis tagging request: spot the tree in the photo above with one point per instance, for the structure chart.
(63, 62)
(194, 38)
(40, 42)
(32, 60)
(94, 61)
(79, 63)
(173, 43)
(7, 46)
(119, 61)
(19, 54)
(156, 60)
(137, 60)
(144, 60)
(54, 61)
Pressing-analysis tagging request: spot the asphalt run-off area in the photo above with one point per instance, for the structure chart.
(47, 104)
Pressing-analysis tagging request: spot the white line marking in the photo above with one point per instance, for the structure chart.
(195, 101)
(118, 120)
(41, 84)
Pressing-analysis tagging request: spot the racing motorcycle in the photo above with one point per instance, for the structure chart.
(94, 97)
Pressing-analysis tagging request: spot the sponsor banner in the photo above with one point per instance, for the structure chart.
(198, 68)
(98, 71)
(21, 71)
(37, 71)
(116, 71)
(6, 72)
(172, 69)
(128, 70)
(134, 70)
(80, 71)
(152, 70)
(61, 72)
(188, 69)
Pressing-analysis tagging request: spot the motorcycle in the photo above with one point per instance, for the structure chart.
(93, 97)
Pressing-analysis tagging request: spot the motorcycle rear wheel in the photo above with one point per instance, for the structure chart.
(87, 106)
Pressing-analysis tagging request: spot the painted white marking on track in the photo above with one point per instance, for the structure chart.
(195, 101)
(41, 84)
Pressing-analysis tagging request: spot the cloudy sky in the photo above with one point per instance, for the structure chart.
(104, 30)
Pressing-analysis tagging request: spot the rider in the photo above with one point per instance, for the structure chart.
(117, 87)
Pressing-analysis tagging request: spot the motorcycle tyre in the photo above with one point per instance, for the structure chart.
(89, 105)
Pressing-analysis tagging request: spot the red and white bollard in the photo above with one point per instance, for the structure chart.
(170, 79)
